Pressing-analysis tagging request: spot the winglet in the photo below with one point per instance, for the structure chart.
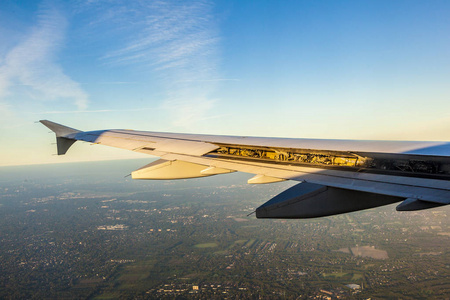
(63, 142)
(58, 129)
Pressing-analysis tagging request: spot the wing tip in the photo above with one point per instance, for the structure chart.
(58, 129)
(63, 140)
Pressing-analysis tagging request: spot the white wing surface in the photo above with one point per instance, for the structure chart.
(336, 176)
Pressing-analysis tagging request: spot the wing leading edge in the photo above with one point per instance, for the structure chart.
(336, 176)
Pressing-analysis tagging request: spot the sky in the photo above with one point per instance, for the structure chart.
(373, 70)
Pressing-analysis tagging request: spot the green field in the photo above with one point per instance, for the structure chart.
(206, 245)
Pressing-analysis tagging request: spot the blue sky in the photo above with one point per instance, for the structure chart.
(315, 69)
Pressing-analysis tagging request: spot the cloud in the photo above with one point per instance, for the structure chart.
(91, 111)
(176, 40)
(32, 63)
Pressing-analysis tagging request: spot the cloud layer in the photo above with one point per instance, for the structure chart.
(32, 63)
(176, 40)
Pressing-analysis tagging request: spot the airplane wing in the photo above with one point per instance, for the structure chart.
(336, 176)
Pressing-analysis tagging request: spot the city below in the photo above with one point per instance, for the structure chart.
(83, 230)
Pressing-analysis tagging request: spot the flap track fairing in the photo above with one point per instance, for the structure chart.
(262, 179)
(175, 169)
(412, 204)
(216, 171)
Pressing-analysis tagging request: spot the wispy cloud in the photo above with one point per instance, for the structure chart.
(32, 64)
(91, 111)
(177, 40)
(211, 80)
